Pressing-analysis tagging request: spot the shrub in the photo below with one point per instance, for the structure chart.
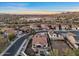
(76, 51)
(54, 52)
(69, 52)
(65, 52)
(11, 36)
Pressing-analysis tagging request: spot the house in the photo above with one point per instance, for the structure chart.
(74, 27)
(55, 36)
(33, 19)
(39, 42)
(45, 27)
(34, 26)
(71, 38)
(25, 28)
(53, 27)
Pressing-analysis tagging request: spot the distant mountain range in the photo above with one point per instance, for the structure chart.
(59, 14)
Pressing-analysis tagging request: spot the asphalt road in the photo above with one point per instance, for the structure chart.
(14, 48)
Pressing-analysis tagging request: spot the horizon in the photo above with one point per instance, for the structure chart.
(38, 7)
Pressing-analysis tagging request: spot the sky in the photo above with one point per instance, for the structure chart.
(38, 7)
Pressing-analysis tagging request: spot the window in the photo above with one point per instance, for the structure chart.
(38, 46)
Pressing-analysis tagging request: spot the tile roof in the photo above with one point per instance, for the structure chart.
(39, 39)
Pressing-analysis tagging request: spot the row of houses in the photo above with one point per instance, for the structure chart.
(30, 19)
(54, 27)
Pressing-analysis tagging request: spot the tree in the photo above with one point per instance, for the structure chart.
(3, 43)
(33, 31)
(11, 36)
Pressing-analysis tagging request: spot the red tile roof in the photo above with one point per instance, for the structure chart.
(39, 39)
